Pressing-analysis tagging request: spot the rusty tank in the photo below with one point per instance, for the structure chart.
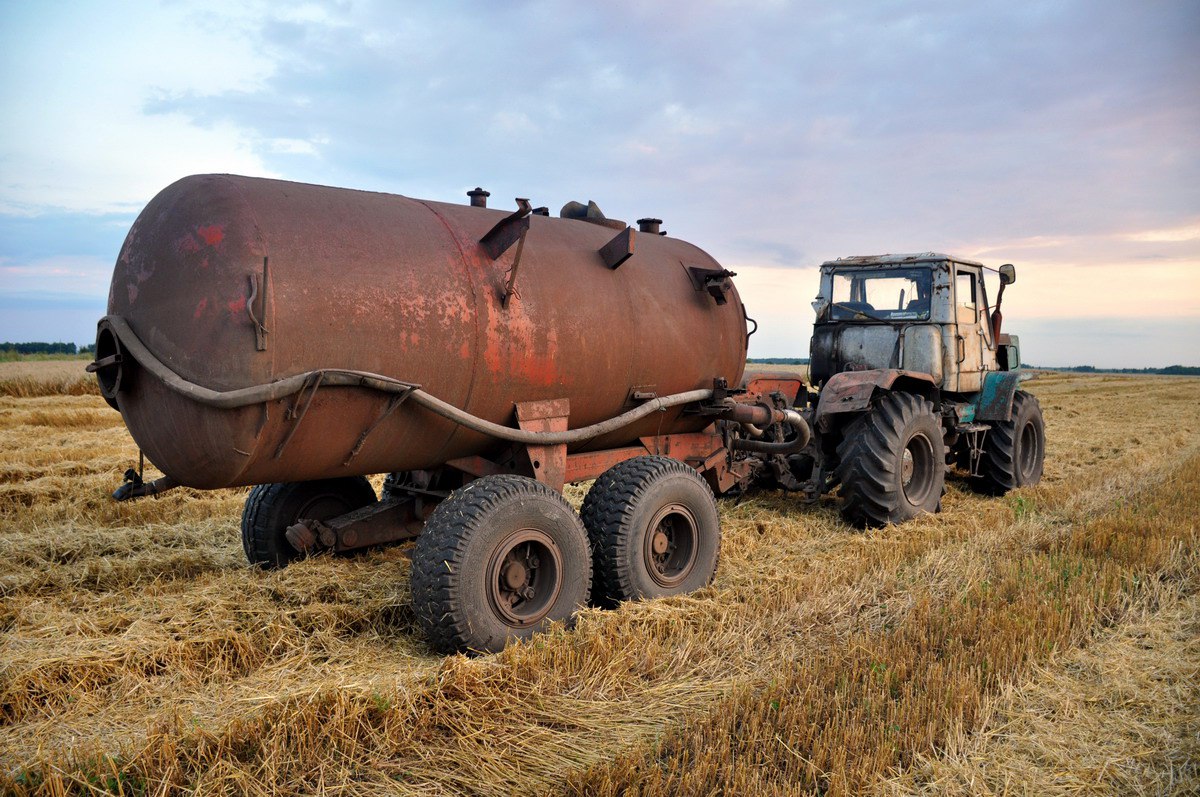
(266, 331)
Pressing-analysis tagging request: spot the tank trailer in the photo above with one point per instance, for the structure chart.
(298, 338)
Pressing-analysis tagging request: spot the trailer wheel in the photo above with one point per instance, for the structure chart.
(271, 508)
(892, 462)
(654, 529)
(500, 559)
(1014, 451)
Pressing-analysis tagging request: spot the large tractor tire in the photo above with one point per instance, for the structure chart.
(271, 508)
(502, 558)
(892, 462)
(654, 529)
(1014, 451)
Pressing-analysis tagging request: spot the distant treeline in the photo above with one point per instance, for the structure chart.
(11, 351)
(778, 360)
(1170, 370)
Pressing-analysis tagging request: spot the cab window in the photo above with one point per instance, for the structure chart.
(895, 294)
(965, 303)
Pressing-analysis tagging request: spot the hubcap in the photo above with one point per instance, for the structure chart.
(524, 577)
(1027, 452)
(671, 543)
(916, 469)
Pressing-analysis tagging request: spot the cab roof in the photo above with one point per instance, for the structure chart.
(898, 260)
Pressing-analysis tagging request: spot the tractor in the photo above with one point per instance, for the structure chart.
(913, 378)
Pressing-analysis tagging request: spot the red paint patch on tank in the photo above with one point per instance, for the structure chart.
(237, 306)
(201, 306)
(213, 234)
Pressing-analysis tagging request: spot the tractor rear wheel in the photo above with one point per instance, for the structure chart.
(1014, 451)
(654, 529)
(892, 462)
(271, 508)
(502, 558)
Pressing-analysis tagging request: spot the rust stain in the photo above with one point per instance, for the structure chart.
(391, 288)
(187, 244)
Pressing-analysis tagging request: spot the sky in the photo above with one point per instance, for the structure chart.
(1062, 137)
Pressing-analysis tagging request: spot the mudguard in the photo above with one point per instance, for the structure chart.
(764, 383)
(994, 402)
(851, 391)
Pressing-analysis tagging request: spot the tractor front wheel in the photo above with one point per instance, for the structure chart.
(892, 462)
(1014, 450)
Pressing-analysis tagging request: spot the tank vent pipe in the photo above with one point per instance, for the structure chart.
(479, 197)
(650, 226)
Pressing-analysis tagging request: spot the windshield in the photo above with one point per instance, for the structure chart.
(899, 294)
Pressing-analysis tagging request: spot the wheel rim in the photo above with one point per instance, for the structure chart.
(318, 507)
(1027, 452)
(322, 507)
(670, 546)
(524, 577)
(916, 469)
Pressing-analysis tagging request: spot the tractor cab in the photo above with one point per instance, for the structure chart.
(923, 313)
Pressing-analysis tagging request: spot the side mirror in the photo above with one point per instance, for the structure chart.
(1008, 274)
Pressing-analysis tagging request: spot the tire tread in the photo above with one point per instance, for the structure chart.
(438, 557)
(606, 514)
(867, 459)
(998, 466)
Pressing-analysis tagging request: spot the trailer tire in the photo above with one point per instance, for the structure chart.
(271, 508)
(654, 529)
(892, 462)
(1014, 451)
(500, 559)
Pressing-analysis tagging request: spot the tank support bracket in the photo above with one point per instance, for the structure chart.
(507, 231)
(295, 413)
(619, 249)
(395, 401)
(549, 463)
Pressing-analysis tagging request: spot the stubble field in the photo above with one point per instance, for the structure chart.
(1042, 643)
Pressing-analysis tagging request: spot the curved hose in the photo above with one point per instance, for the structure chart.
(243, 397)
(792, 419)
(554, 438)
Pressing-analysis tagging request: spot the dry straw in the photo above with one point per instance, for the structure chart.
(140, 655)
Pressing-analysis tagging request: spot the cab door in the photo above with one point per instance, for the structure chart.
(969, 341)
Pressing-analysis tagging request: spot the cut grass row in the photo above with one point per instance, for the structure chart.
(846, 716)
(328, 688)
(866, 689)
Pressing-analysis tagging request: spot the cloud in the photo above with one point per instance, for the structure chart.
(77, 275)
(77, 77)
(1051, 135)
(1188, 232)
